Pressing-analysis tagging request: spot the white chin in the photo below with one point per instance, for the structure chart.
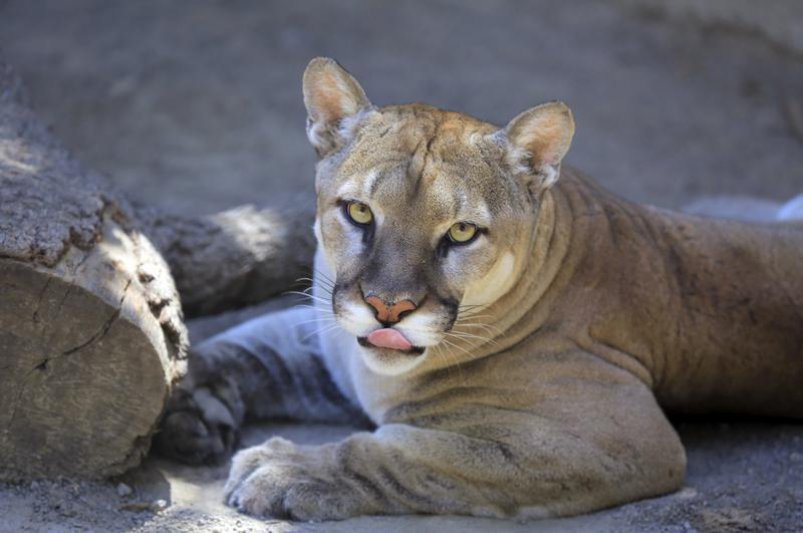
(386, 362)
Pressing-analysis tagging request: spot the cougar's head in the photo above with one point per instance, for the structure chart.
(424, 216)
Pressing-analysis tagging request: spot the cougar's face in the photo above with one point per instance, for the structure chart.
(418, 219)
(424, 216)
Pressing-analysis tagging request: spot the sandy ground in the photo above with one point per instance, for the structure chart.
(742, 477)
(196, 107)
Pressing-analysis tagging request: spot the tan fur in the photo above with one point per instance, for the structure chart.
(593, 311)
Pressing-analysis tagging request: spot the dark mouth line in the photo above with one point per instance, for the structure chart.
(416, 350)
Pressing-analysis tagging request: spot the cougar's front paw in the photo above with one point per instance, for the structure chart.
(201, 423)
(280, 480)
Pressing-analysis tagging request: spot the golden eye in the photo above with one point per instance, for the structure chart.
(360, 213)
(462, 232)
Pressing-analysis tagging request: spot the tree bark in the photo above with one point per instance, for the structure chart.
(235, 258)
(92, 337)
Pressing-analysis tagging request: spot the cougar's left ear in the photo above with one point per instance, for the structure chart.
(334, 102)
(537, 141)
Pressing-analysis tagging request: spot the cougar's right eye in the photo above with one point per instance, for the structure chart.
(462, 233)
(359, 213)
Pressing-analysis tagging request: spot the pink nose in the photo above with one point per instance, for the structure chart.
(390, 313)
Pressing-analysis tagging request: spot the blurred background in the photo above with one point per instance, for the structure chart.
(196, 106)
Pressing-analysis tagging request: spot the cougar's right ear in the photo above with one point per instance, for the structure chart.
(335, 103)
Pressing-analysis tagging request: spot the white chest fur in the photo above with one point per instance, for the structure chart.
(341, 354)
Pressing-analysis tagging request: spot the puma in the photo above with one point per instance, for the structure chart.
(514, 332)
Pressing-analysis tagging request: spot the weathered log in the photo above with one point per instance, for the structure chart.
(235, 258)
(91, 330)
(91, 334)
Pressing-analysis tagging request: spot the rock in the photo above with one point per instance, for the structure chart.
(124, 490)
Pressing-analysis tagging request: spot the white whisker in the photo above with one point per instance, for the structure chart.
(311, 296)
(315, 307)
(321, 331)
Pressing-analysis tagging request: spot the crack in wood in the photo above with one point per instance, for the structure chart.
(101, 333)
(42, 365)
(94, 338)
(42, 293)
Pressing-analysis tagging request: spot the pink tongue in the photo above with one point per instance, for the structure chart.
(389, 338)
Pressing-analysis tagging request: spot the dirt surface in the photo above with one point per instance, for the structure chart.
(197, 107)
(745, 477)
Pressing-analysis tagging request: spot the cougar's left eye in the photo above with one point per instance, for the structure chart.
(462, 233)
(359, 213)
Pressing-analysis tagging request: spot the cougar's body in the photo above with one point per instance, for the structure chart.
(514, 332)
